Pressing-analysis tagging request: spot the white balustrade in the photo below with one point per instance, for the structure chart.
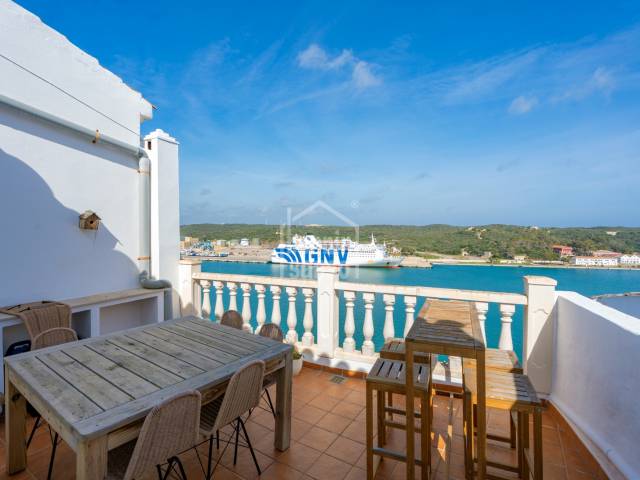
(292, 317)
(307, 321)
(482, 308)
(276, 317)
(219, 308)
(368, 348)
(246, 307)
(388, 331)
(349, 344)
(410, 310)
(506, 312)
(233, 292)
(206, 298)
(261, 313)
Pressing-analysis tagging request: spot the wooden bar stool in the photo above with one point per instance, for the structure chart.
(389, 376)
(512, 392)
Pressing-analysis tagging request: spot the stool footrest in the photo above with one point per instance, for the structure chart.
(386, 453)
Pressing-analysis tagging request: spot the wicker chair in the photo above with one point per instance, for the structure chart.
(272, 331)
(231, 318)
(242, 394)
(169, 429)
(47, 323)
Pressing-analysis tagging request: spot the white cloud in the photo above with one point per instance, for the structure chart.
(315, 57)
(363, 77)
(522, 105)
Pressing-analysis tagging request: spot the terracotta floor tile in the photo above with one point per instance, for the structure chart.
(324, 402)
(346, 450)
(333, 423)
(281, 471)
(329, 468)
(299, 457)
(347, 409)
(318, 438)
(356, 474)
(309, 413)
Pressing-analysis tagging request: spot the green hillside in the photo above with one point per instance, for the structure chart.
(503, 241)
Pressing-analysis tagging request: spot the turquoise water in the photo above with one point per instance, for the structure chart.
(499, 279)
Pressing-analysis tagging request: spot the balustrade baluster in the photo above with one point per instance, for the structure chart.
(410, 310)
(276, 317)
(292, 317)
(246, 307)
(482, 308)
(261, 313)
(219, 308)
(389, 330)
(506, 341)
(349, 344)
(233, 292)
(368, 348)
(307, 321)
(206, 298)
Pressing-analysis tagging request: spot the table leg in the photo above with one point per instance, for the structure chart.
(15, 425)
(91, 459)
(283, 403)
(409, 409)
(482, 417)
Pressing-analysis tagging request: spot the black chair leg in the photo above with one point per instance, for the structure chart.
(273, 410)
(235, 452)
(53, 456)
(255, 460)
(211, 454)
(218, 439)
(36, 424)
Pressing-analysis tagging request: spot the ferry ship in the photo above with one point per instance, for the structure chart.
(308, 250)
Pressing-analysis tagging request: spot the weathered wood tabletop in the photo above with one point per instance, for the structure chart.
(96, 393)
(448, 327)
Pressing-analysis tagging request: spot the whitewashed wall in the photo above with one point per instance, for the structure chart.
(49, 173)
(596, 381)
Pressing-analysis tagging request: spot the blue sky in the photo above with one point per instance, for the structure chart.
(390, 112)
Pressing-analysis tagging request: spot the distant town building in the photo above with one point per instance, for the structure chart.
(605, 254)
(189, 242)
(233, 242)
(487, 255)
(221, 243)
(613, 234)
(595, 261)
(244, 242)
(519, 258)
(255, 242)
(563, 250)
(630, 260)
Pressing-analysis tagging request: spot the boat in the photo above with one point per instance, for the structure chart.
(308, 250)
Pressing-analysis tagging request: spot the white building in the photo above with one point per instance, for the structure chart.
(69, 142)
(244, 242)
(630, 260)
(595, 261)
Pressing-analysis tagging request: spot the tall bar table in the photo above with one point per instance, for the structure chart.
(448, 327)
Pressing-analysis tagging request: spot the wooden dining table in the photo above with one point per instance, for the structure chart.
(448, 327)
(96, 393)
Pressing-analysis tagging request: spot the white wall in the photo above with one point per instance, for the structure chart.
(596, 384)
(629, 304)
(50, 173)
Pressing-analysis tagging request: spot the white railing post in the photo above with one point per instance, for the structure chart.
(327, 312)
(482, 308)
(506, 314)
(246, 306)
(307, 321)
(410, 310)
(206, 298)
(189, 289)
(537, 348)
(233, 292)
(292, 317)
(389, 330)
(349, 344)
(261, 313)
(368, 348)
(276, 317)
(219, 308)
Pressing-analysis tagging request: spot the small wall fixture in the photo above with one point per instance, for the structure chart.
(89, 220)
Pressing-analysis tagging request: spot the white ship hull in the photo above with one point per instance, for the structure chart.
(345, 253)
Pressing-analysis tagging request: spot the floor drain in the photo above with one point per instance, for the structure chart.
(337, 379)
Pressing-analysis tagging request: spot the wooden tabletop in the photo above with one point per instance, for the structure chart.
(93, 387)
(448, 327)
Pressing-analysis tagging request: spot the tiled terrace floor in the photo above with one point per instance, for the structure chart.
(328, 436)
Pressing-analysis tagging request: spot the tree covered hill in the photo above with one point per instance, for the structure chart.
(504, 241)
